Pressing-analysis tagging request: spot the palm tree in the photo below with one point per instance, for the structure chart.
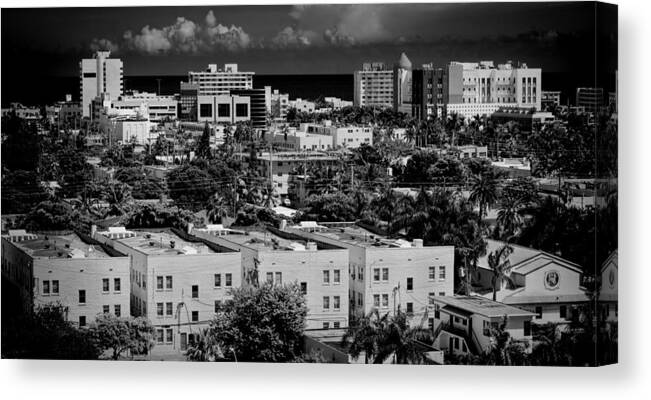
(498, 262)
(118, 195)
(217, 209)
(483, 191)
(403, 342)
(509, 219)
(364, 334)
(392, 208)
(204, 349)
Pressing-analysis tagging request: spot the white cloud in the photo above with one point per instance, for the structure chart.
(290, 37)
(185, 37)
(103, 44)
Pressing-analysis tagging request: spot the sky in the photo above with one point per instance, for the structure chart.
(306, 39)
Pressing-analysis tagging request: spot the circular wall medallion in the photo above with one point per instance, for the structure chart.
(552, 279)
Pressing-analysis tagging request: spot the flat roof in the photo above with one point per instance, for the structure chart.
(358, 236)
(480, 305)
(262, 239)
(61, 246)
(159, 242)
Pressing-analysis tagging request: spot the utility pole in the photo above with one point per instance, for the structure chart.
(158, 80)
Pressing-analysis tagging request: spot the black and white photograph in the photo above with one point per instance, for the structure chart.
(430, 184)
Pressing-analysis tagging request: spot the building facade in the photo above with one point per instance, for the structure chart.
(68, 270)
(279, 105)
(227, 109)
(177, 283)
(402, 85)
(99, 75)
(278, 257)
(374, 86)
(216, 81)
(259, 98)
(387, 274)
(550, 99)
(591, 99)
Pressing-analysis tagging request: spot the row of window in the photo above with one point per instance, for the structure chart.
(117, 285)
(50, 288)
(336, 303)
(117, 309)
(335, 325)
(336, 277)
(164, 335)
(228, 280)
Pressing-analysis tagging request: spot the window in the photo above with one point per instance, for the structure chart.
(159, 282)
(279, 278)
(223, 110)
(117, 310)
(195, 291)
(46, 287)
(376, 300)
(218, 305)
(430, 298)
(270, 277)
(336, 325)
(105, 285)
(326, 302)
(169, 335)
(55, 287)
(385, 301)
(82, 297)
(336, 277)
(486, 328)
(229, 280)
(385, 274)
(410, 284)
(441, 273)
(159, 335)
(116, 285)
(527, 328)
(195, 316)
(410, 308)
(82, 320)
(159, 309)
(205, 110)
(441, 293)
(218, 280)
(304, 287)
(360, 299)
(106, 309)
(326, 277)
(437, 312)
(376, 274)
(168, 282)
(563, 312)
(336, 302)
(326, 325)
(169, 309)
(456, 343)
(241, 110)
(430, 324)
(538, 312)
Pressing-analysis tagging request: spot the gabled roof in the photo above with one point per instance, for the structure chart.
(612, 259)
(525, 260)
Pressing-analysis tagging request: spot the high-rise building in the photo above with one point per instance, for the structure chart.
(217, 81)
(402, 85)
(374, 85)
(258, 105)
(99, 75)
(429, 92)
(188, 101)
(590, 98)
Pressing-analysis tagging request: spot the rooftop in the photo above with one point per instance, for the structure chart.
(481, 306)
(161, 242)
(56, 246)
(356, 235)
(261, 239)
(525, 259)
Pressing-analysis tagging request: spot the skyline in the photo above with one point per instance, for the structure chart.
(305, 39)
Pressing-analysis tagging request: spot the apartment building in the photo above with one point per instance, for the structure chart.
(157, 108)
(260, 105)
(429, 92)
(227, 109)
(374, 85)
(301, 105)
(278, 257)
(74, 271)
(387, 274)
(464, 325)
(214, 81)
(349, 136)
(296, 140)
(590, 98)
(177, 281)
(98, 75)
(550, 99)
(543, 283)
(279, 104)
(188, 94)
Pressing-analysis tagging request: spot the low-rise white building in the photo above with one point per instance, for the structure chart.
(295, 140)
(279, 257)
(465, 325)
(350, 136)
(543, 283)
(68, 270)
(302, 105)
(387, 274)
